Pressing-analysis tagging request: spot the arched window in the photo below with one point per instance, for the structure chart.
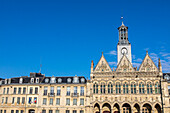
(95, 88)
(102, 88)
(110, 88)
(118, 88)
(125, 88)
(141, 88)
(149, 88)
(133, 88)
(157, 88)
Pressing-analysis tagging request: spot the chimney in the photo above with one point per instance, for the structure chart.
(92, 66)
(159, 65)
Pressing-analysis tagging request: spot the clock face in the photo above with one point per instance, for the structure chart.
(124, 50)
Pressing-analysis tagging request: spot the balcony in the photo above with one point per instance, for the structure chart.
(75, 95)
(51, 94)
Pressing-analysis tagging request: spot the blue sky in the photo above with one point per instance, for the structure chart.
(66, 35)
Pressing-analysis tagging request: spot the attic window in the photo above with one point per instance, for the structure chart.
(46, 80)
(37, 80)
(53, 80)
(59, 80)
(0, 82)
(82, 80)
(20, 80)
(75, 79)
(69, 80)
(5, 81)
(32, 80)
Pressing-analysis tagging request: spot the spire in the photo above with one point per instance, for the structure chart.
(147, 52)
(122, 21)
(159, 65)
(92, 64)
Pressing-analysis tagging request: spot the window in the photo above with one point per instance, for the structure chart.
(44, 101)
(15, 90)
(4, 91)
(57, 101)
(145, 110)
(69, 80)
(20, 80)
(24, 90)
(30, 100)
(82, 80)
(102, 88)
(35, 100)
(125, 88)
(141, 88)
(133, 88)
(67, 111)
(31, 90)
(81, 111)
(13, 100)
(75, 90)
(126, 110)
(1, 111)
(74, 111)
(59, 80)
(19, 90)
(18, 100)
(17, 111)
(58, 90)
(75, 79)
(23, 100)
(68, 91)
(53, 80)
(22, 111)
(51, 101)
(4, 111)
(36, 90)
(81, 101)
(2, 100)
(52, 91)
(110, 88)
(95, 88)
(6, 101)
(37, 80)
(7, 90)
(149, 88)
(67, 101)
(157, 88)
(74, 101)
(12, 111)
(57, 111)
(45, 90)
(32, 80)
(43, 111)
(81, 91)
(50, 111)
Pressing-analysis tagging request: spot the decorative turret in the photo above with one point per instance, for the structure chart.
(159, 65)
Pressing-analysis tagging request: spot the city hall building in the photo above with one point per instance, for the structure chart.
(126, 89)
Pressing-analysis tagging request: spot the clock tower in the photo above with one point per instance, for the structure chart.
(123, 46)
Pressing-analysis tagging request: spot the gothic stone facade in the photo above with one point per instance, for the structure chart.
(122, 90)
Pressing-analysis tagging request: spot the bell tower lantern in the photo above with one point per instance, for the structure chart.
(123, 46)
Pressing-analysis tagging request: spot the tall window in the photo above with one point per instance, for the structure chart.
(43, 111)
(58, 90)
(75, 91)
(74, 111)
(81, 101)
(7, 90)
(50, 111)
(45, 90)
(102, 88)
(44, 101)
(52, 91)
(23, 100)
(68, 91)
(13, 100)
(57, 111)
(51, 101)
(81, 111)
(118, 88)
(2, 100)
(125, 88)
(67, 111)
(81, 91)
(67, 101)
(4, 91)
(6, 101)
(141, 88)
(95, 88)
(157, 88)
(15, 90)
(24, 90)
(35, 100)
(74, 101)
(149, 88)
(36, 90)
(31, 90)
(57, 101)
(19, 90)
(110, 88)
(18, 100)
(133, 88)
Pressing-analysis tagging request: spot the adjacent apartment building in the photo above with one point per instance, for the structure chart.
(126, 89)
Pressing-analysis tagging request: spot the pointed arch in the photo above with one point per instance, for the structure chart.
(106, 108)
(126, 108)
(146, 108)
(116, 108)
(136, 108)
(157, 108)
(96, 108)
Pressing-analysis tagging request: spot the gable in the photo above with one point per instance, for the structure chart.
(125, 65)
(147, 65)
(102, 66)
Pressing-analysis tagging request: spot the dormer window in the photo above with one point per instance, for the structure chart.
(82, 80)
(0, 82)
(5, 81)
(9, 81)
(46, 80)
(20, 80)
(75, 79)
(32, 80)
(167, 77)
(69, 80)
(53, 80)
(37, 80)
(59, 80)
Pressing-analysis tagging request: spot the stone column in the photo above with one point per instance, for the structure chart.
(111, 111)
(152, 111)
(100, 110)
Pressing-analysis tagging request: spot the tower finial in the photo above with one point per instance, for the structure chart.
(146, 51)
(102, 53)
(122, 20)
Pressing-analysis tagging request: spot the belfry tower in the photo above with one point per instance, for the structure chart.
(123, 46)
